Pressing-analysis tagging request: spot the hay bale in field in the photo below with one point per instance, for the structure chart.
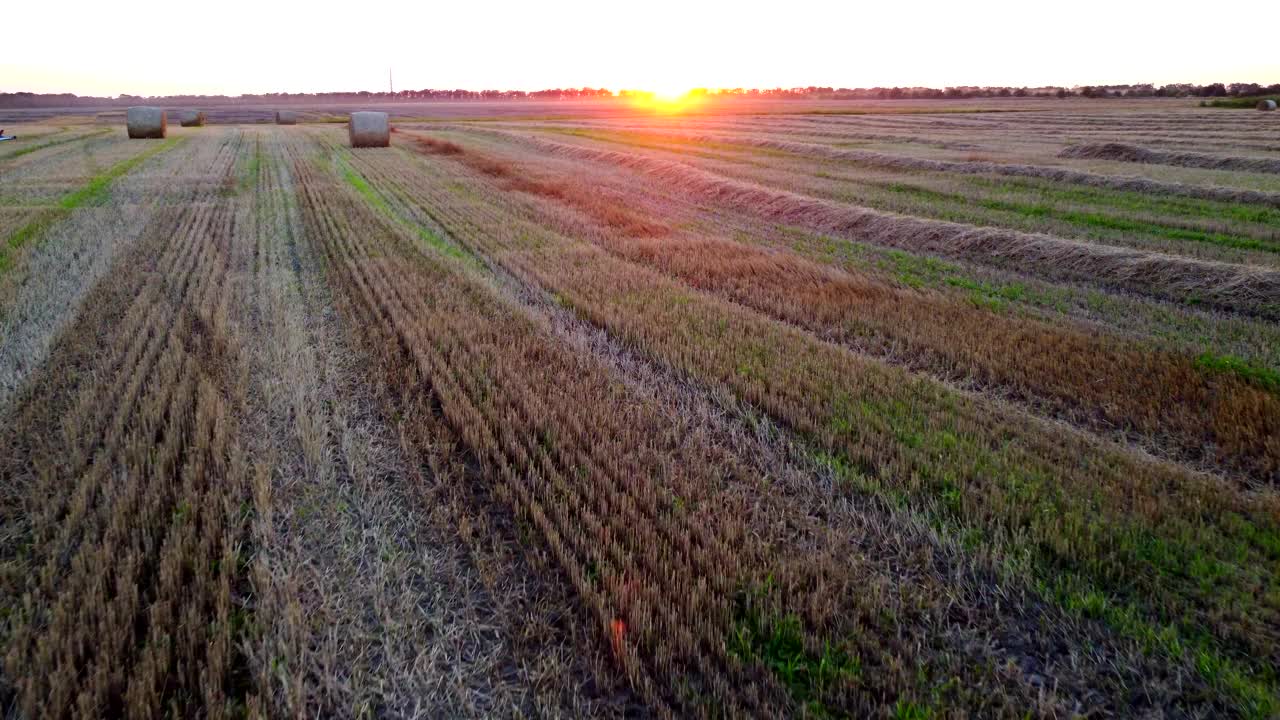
(1266, 104)
(369, 129)
(146, 122)
(1107, 151)
(191, 118)
(286, 117)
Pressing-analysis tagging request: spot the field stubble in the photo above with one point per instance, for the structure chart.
(657, 319)
(508, 420)
(757, 601)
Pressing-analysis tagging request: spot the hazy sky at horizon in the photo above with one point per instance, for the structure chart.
(246, 46)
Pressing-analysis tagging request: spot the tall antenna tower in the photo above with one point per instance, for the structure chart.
(391, 84)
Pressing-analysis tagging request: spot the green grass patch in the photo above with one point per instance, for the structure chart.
(1239, 103)
(1192, 561)
(358, 182)
(96, 191)
(1263, 377)
(1111, 222)
(32, 229)
(926, 272)
(777, 642)
(1254, 693)
(1131, 201)
(253, 169)
(1256, 342)
(53, 143)
(1086, 219)
(93, 193)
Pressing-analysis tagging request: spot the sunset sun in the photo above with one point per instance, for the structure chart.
(670, 93)
(668, 98)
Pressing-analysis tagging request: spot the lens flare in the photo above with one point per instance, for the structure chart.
(668, 99)
(670, 93)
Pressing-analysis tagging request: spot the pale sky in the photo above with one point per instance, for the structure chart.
(91, 47)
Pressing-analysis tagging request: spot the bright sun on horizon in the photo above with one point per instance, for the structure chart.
(670, 93)
(667, 98)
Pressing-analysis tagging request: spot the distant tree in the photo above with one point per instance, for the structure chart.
(1244, 89)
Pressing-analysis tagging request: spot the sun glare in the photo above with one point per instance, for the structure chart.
(670, 93)
(667, 99)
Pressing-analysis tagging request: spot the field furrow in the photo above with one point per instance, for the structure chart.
(131, 589)
(41, 293)
(748, 408)
(976, 192)
(907, 436)
(1228, 287)
(624, 539)
(338, 500)
(1059, 370)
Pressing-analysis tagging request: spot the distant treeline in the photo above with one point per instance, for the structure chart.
(34, 100)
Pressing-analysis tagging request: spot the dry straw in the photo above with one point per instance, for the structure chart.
(146, 122)
(1230, 287)
(286, 117)
(1130, 183)
(369, 129)
(191, 118)
(1133, 153)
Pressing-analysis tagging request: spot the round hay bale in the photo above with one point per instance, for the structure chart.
(146, 122)
(286, 117)
(369, 129)
(1266, 104)
(191, 118)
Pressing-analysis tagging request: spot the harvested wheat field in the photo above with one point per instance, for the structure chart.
(903, 412)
